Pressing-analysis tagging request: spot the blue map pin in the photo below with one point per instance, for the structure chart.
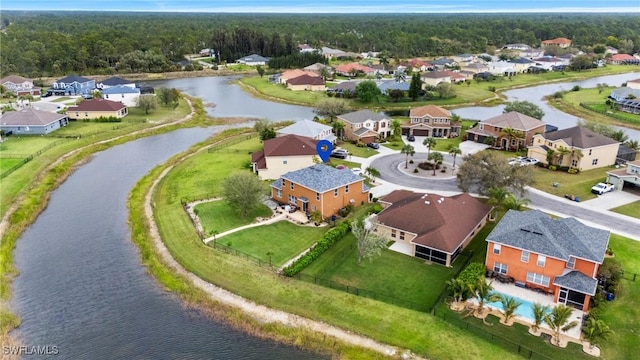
(324, 149)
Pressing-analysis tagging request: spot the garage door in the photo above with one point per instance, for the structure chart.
(368, 139)
(421, 132)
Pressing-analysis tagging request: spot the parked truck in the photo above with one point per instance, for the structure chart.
(601, 188)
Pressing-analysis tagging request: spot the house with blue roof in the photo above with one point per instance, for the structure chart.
(72, 85)
(320, 188)
(122, 93)
(558, 256)
(115, 81)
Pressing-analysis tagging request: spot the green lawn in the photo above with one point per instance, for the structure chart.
(62, 98)
(25, 145)
(574, 184)
(283, 239)
(354, 150)
(632, 209)
(593, 96)
(219, 216)
(6, 164)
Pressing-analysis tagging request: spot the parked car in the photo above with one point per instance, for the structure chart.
(601, 188)
(339, 153)
(411, 138)
(374, 145)
(356, 171)
(529, 161)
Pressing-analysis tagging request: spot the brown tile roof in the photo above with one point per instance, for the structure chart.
(579, 137)
(441, 223)
(431, 110)
(514, 120)
(306, 80)
(98, 105)
(290, 74)
(290, 145)
(258, 158)
(633, 81)
(30, 117)
(436, 74)
(557, 41)
(347, 68)
(14, 79)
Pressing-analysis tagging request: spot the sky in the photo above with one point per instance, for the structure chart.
(330, 6)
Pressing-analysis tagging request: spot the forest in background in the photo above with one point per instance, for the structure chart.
(39, 44)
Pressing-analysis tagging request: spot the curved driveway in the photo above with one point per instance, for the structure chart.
(596, 217)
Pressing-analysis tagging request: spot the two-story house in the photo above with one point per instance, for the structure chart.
(310, 129)
(430, 226)
(19, 85)
(496, 128)
(320, 188)
(431, 121)
(576, 147)
(283, 154)
(627, 178)
(72, 85)
(561, 42)
(115, 81)
(365, 125)
(97, 108)
(559, 256)
(122, 93)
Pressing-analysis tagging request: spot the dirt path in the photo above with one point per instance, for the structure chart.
(258, 312)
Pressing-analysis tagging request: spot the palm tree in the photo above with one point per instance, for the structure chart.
(455, 151)
(497, 197)
(551, 154)
(619, 136)
(562, 152)
(437, 158)
(484, 293)
(400, 75)
(515, 203)
(490, 140)
(633, 145)
(576, 154)
(558, 320)
(407, 150)
(596, 330)
(372, 172)
(325, 73)
(27, 97)
(429, 143)
(538, 311)
(510, 305)
(459, 291)
(338, 127)
(396, 127)
(509, 133)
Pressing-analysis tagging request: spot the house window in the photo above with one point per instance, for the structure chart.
(335, 193)
(292, 199)
(525, 256)
(571, 263)
(500, 268)
(279, 193)
(86, 113)
(313, 207)
(346, 189)
(284, 182)
(401, 235)
(497, 248)
(594, 162)
(284, 162)
(481, 126)
(574, 163)
(393, 233)
(317, 196)
(292, 185)
(77, 114)
(538, 279)
(590, 150)
(541, 260)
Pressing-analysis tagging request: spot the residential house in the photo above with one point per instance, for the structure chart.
(433, 78)
(115, 81)
(253, 60)
(519, 46)
(501, 68)
(585, 149)
(431, 121)
(420, 65)
(549, 62)
(344, 87)
(634, 84)
(624, 93)
(19, 85)
(290, 74)
(96, 108)
(365, 125)
(495, 128)
(305, 48)
(521, 65)
(207, 52)
(386, 86)
(430, 226)
(610, 50)
(627, 178)
(311, 129)
(320, 188)
(561, 42)
(72, 85)
(29, 121)
(306, 83)
(624, 59)
(283, 154)
(353, 69)
(318, 68)
(531, 53)
(475, 68)
(463, 58)
(558, 256)
(122, 93)
(443, 63)
(330, 53)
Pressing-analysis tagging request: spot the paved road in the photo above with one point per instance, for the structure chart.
(596, 217)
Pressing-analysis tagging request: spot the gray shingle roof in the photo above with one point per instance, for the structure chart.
(320, 178)
(74, 78)
(114, 80)
(575, 280)
(514, 120)
(361, 116)
(30, 117)
(535, 231)
(306, 128)
(580, 137)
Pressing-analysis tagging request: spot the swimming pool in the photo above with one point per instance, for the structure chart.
(524, 311)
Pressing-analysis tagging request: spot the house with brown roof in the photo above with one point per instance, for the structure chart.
(19, 85)
(97, 108)
(29, 121)
(627, 178)
(283, 154)
(430, 226)
(306, 82)
(634, 84)
(561, 42)
(420, 65)
(431, 121)
(618, 59)
(293, 73)
(352, 69)
(498, 128)
(365, 125)
(576, 147)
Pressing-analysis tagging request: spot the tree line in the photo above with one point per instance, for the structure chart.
(54, 43)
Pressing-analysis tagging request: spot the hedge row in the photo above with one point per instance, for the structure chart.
(104, 119)
(472, 273)
(331, 237)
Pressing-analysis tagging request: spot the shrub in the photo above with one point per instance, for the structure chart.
(553, 167)
(411, 161)
(328, 239)
(375, 199)
(106, 119)
(492, 88)
(576, 88)
(415, 171)
(611, 270)
(558, 95)
(473, 273)
(573, 171)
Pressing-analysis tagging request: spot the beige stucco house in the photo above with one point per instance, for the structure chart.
(431, 121)
(96, 108)
(583, 149)
(626, 178)
(365, 125)
(283, 154)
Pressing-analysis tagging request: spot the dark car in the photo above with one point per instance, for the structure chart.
(411, 138)
(340, 154)
(374, 145)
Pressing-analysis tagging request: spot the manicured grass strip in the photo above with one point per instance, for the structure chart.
(354, 150)
(324, 243)
(283, 240)
(219, 216)
(573, 184)
(632, 209)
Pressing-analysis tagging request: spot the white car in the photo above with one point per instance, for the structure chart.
(529, 161)
(357, 171)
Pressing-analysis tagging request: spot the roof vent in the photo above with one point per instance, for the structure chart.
(525, 230)
(441, 199)
(427, 202)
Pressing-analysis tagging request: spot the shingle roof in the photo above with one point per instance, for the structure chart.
(385, 85)
(624, 92)
(535, 231)
(430, 110)
(306, 79)
(14, 79)
(521, 60)
(290, 145)
(114, 80)
(346, 85)
(436, 74)
(514, 120)
(575, 280)
(441, 223)
(120, 89)
(560, 40)
(322, 178)
(254, 58)
(29, 117)
(259, 159)
(362, 131)
(74, 78)
(361, 116)
(442, 61)
(317, 67)
(579, 137)
(305, 128)
(97, 105)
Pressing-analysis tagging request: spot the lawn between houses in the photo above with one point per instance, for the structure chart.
(632, 209)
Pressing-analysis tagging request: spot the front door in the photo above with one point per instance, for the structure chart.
(562, 296)
(305, 207)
